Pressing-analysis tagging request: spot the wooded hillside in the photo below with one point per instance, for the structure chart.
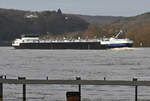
(13, 23)
(54, 24)
(136, 28)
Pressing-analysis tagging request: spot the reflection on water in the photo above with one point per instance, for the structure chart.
(113, 64)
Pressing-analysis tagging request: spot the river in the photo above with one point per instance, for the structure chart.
(114, 64)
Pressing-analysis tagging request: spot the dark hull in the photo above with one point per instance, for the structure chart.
(70, 45)
(67, 45)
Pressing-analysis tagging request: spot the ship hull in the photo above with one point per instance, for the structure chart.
(68, 45)
(71, 45)
(119, 45)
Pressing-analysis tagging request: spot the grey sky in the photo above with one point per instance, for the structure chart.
(87, 7)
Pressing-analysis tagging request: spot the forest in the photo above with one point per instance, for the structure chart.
(13, 23)
(56, 24)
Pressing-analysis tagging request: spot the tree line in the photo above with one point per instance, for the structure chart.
(13, 23)
(55, 24)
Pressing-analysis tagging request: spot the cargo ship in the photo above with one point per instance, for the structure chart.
(34, 42)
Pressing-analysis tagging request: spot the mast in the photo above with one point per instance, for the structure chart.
(120, 32)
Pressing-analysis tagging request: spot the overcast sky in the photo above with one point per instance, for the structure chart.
(87, 7)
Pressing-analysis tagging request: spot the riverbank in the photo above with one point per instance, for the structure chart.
(5, 43)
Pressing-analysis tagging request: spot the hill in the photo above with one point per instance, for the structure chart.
(136, 28)
(100, 20)
(13, 23)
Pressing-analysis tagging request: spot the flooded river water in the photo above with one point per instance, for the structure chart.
(113, 64)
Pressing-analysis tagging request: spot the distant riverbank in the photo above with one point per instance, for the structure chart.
(5, 43)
